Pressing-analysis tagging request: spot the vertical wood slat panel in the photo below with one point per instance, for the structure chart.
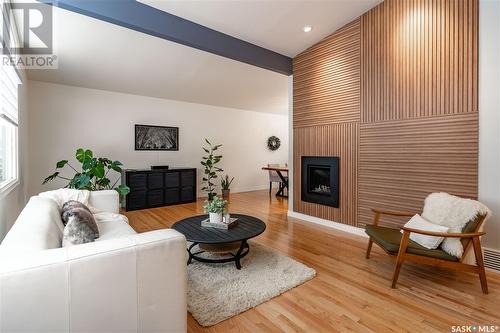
(432, 47)
(329, 140)
(407, 67)
(326, 80)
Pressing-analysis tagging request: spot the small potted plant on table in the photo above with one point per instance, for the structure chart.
(215, 209)
(225, 185)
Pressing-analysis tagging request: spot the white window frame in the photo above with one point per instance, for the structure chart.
(7, 185)
(9, 114)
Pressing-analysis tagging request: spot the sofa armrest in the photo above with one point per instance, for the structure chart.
(107, 200)
(130, 284)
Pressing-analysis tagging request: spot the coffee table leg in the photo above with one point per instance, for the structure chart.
(190, 259)
(243, 245)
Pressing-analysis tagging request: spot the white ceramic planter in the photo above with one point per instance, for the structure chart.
(215, 217)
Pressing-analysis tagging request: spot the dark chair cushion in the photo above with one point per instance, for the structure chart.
(390, 239)
(470, 227)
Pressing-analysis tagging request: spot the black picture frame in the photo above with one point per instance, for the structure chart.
(144, 134)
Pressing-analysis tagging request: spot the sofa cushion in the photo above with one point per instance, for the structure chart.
(112, 226)
(38, 227)
(390, 239)
(110, 230)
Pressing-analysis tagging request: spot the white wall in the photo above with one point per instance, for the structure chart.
(290, 143)
(489, 116)
(13, 201)
(65, 118)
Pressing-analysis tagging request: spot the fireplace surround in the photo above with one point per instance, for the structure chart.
(320, 180)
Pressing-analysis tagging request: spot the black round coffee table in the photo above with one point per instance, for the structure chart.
(246, 228)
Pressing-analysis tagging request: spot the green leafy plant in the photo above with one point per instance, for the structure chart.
(216, 205)
(93, 175)
(225, 183)
(210, 162)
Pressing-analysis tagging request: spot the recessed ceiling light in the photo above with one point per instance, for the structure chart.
(307, 28)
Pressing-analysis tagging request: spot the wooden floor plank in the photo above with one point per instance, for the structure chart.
(350, 293)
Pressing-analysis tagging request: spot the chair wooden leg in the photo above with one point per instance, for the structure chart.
(395, 276)
(270, 188)
(401, 257)
(480, 264)
(369, 248)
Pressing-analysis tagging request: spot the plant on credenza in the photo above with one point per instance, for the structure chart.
(215, 209)
(225, 184)
(93, 175)
(210, 162)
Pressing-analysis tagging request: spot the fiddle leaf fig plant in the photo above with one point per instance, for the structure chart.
(211, 169)
(93, 173)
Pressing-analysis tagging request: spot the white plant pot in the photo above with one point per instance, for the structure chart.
(215, 217)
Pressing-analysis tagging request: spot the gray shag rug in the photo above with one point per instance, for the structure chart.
(217, 292)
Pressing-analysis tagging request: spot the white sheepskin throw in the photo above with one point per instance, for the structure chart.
(453, 212)
(63, 195)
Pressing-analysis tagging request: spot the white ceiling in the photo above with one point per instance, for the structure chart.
(96, 54)
(273, 24)
(100, 55)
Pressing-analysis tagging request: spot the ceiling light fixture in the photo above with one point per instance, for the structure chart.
(307, 28)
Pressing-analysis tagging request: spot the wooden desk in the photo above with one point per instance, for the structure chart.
(284, 181)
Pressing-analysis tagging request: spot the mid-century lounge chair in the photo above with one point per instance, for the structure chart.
(394, 242)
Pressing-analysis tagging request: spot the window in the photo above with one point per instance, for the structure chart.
(9, 81)
(8, 126)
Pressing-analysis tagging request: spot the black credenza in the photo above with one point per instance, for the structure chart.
(156, 188)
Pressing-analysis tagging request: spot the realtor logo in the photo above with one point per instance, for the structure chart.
(27, 35)
(33, 22)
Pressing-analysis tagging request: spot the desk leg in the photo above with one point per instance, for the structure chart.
(283, 185)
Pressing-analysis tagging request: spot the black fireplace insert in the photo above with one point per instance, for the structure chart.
(320, 180)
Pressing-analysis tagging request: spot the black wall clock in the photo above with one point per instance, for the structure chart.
(273, 143)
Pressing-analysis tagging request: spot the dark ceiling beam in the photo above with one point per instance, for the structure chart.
(143, 18)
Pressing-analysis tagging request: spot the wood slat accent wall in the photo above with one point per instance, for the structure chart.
(330, 140)
(404, 78)
(326, 77)
(401, 162)
(419, 59)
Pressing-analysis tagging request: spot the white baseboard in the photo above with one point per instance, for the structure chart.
(250, 188)
(330, 224)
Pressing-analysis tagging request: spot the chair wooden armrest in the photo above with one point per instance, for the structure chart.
(379, 212)
(443, 234)
(391, 212)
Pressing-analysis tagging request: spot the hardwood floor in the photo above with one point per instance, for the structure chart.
(349, 293)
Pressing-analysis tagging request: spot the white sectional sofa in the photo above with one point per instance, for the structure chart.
(122, 282)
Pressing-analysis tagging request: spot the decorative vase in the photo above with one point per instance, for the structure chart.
(225, 194)
(215, 217)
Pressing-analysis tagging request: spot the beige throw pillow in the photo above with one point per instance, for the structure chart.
(419, 223)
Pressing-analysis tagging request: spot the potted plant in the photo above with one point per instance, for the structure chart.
(211, 169)
(93, 173)
(225, 183)
(215, 209)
